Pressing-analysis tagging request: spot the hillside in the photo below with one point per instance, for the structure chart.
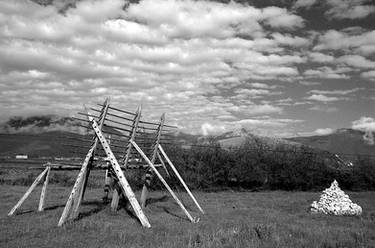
(347, 141)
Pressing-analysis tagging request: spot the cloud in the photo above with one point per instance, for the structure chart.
(323, 131)
(324, 108)
(280, 18)
(304, 4)
(368, 75)
(327, 72)
(360, 41)
(341, 9)
(323, 98)
(367, 125)
(309, 83)
(335, 92)
(356, 61)
(321, 57)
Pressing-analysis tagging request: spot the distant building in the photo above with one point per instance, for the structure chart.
(21, 156)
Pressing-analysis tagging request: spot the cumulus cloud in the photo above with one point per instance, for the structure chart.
(335, 92)
(328, 72)
(323, 131)
(304, 4)
(207, 64)
(360, 41)
(341, 9)
(368, 75)
(323, 98)
(367, 125)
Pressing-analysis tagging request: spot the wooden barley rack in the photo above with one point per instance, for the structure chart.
(126, 142)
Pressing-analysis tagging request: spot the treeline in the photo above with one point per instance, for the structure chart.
(210, 168)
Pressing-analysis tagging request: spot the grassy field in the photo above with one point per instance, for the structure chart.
(233, 219)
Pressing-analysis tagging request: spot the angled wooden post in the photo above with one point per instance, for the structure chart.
(77, 186)
(82, 187)
(180, 178)
(44, 190)
(127, 190)
(28, 192)
(115, 199)
(116, 194)
(194, 220)
(163, 164)
(148, 176)
(132, 136)
(103, 115)
(107, 177)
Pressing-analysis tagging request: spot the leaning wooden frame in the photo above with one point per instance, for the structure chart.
(108, 140)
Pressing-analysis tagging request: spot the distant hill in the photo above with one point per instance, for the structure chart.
(52, 136)
(343, 140)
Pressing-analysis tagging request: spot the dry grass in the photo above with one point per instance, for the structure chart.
(233, 219)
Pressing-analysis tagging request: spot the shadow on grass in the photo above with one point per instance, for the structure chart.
(99, 206)
(163, 198)
(171, 209)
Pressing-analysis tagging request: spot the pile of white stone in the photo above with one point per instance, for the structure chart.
(334, 201)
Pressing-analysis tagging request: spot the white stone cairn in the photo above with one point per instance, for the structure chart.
(334, 201)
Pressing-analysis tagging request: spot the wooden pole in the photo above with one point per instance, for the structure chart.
(77, 185)
(120, 176)
(148, 176)
(194, 220)
(116, 196)
(107, 178)
(115, 199)
(44, 190)
(163, 164)
(28, 192)
(101, 123)
(180, 178)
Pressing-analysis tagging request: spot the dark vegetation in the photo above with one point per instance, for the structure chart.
(213, 168)
(243, 168)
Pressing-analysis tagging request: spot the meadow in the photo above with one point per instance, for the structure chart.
(232, 219)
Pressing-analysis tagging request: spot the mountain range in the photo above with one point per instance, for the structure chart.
(46, 135)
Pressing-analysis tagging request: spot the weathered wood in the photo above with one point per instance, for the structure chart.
(82, 189)
(28, 192)
(115, 199)
(76, 188)
(163, 164)
(132, 136)
(120, 176)
(44, 190)
(194, 220)
(148, 176)
(180, 178)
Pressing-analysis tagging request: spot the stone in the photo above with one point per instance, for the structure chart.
(334, 201)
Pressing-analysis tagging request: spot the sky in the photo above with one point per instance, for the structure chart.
(275, 68)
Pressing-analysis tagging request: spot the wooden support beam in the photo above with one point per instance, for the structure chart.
(180, 178)
(163, 164)
(82, 189)
(120, 176)
(194, 220)
(148, 176)
(44, 190)
(77, 186)
(115, 199)
(28, 192)
(128, 153)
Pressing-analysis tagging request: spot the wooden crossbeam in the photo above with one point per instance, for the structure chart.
(28, 192)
